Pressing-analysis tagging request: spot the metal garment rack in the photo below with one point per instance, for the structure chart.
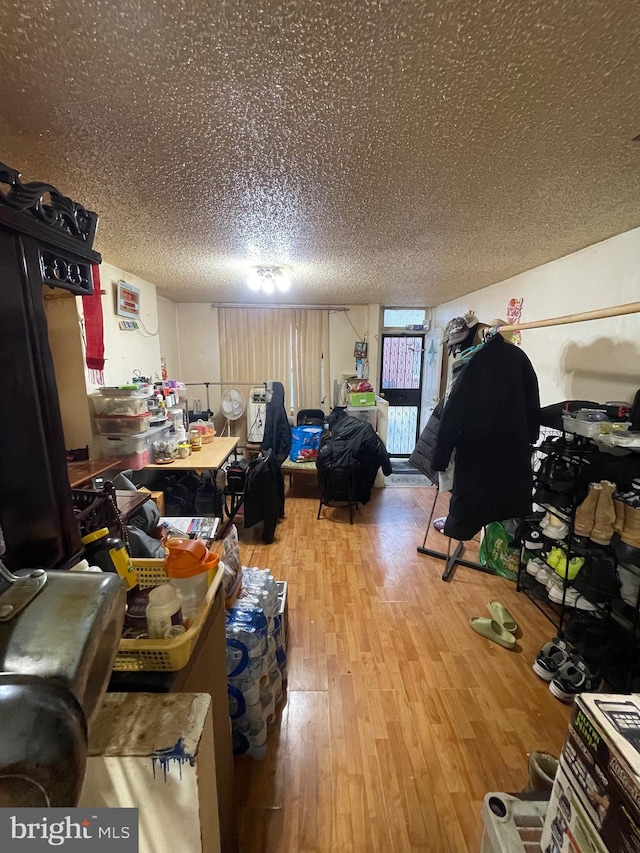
(451, 558)
(454, 558)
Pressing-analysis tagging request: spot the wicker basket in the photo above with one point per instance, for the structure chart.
(162, 655)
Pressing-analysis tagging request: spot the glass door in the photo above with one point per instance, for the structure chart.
(401, 386)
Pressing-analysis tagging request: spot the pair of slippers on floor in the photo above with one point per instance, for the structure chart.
(500, 628)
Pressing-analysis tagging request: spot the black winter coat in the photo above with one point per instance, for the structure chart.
(277, 432)
(422, 456)
(352, 443)
(264, 494)
(491, 419)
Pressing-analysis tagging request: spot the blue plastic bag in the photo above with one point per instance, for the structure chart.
(305, 443)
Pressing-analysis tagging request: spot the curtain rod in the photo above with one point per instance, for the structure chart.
(599, 314)
(279, 305)
(253, 384)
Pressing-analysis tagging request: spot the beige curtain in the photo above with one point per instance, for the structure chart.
(283, 344)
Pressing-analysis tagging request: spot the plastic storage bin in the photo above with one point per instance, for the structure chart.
(362, 398)
(161, 655)
(125, 425)
(105, 406)
(133, 451)
(364, 413)
(512, 825)
(142, 391)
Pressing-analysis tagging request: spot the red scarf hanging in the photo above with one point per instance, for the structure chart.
(94, 330)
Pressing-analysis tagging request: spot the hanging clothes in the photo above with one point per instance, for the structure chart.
(264, 494)
(491, 419)
(422, 456)
(277, 430)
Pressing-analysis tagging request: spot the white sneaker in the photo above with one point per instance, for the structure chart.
(545, 575)
(556, 593)
(534, 565)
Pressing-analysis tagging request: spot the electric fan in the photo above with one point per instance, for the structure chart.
(233, 406)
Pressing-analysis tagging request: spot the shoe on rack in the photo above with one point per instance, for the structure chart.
(586, 512)
(568, 569)
(580, 545)
(560, 594)
(575, 676)
(598, 580)
(534, 564)
(556, 529)
(605, 515)
(550, 657)
(556, 556)
(533, 539)
(630, 534)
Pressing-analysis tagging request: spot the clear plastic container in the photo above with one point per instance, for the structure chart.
(118, 406)
(142, 391)
(134, 451)
(163, 611)
(113, 425)
(187, 566)
(364, 413)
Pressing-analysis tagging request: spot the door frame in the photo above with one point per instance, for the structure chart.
(404, 333)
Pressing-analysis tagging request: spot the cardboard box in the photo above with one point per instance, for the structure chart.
(595, 802)
(156, 497)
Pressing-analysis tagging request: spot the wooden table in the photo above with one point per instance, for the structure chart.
(83, 472)
(128, 502)
(210, 458)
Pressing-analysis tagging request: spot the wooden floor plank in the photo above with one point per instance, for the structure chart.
(399, 717)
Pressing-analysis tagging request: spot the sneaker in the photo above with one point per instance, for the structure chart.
(575, 676)
(533, 540)
(534, 565)
(550, 657)
(598, 581)
(558, 592)
(545, 574)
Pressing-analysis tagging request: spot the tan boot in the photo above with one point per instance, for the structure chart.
(585, 514)
(618, 524)
(605, 515)
(631, 532)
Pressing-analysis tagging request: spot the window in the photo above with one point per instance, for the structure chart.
(400, 318)
(287, 345)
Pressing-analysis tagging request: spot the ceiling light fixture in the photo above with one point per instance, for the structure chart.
(268, 279)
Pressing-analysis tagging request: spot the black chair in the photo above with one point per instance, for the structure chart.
(338, 488)
(310, 417)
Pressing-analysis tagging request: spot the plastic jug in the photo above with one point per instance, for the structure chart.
(187, 566)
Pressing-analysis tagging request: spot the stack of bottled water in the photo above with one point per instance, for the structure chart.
(256, 661)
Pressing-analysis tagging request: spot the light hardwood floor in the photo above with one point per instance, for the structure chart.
(399, 717)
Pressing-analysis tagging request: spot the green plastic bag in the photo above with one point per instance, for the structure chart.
(496, 553)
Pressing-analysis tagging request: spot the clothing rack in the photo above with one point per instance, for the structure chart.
(453, 558)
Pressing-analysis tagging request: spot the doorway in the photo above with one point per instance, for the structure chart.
(401, 386)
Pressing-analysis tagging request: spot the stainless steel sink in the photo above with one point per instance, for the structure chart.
(68, 634)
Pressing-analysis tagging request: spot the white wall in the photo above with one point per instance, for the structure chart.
(597, 360)
(345, 328)
(198, 342)
(169, 346)
(127, 351)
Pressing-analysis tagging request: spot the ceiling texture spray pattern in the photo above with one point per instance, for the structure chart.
(400, 151)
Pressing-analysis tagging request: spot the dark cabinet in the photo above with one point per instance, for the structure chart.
(45, 241)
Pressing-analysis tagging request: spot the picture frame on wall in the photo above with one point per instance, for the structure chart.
(127, 301)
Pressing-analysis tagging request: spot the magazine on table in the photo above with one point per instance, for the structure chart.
(196, 527)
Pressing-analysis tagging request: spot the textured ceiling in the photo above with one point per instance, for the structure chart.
(399, 151)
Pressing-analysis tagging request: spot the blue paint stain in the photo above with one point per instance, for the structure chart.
(172, 753)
